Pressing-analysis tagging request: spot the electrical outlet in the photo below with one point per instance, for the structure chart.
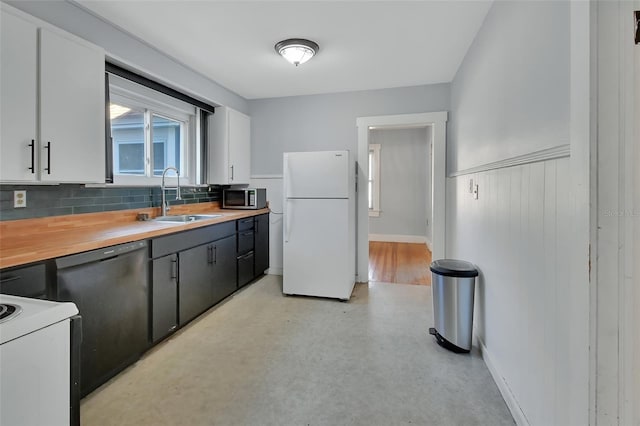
(19, 199)
(475, 191)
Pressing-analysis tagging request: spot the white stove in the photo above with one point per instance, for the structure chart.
(31, 315)
(36, 366)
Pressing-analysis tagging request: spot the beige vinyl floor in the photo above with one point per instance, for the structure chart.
(261, 358)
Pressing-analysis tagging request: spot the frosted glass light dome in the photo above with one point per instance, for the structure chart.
(297, 50)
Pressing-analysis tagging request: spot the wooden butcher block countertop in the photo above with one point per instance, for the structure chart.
(31, 240)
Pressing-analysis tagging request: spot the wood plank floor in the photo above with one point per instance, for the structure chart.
(402, 263)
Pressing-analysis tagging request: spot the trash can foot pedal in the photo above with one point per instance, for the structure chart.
(447, 344)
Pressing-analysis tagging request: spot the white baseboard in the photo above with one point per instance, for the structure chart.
(398, 238)
(274, 271)
(503, 386)
(429, 245)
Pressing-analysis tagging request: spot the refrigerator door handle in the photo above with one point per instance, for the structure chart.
(287, 226)
(287, 184)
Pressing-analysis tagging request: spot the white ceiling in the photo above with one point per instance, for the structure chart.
(363, 44)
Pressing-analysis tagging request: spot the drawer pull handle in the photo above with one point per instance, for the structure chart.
(174, 269)
(9, 279)
(246, 256)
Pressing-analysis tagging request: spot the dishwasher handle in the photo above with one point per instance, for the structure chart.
(99, 254)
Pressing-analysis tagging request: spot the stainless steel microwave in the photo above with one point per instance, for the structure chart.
(244, 198)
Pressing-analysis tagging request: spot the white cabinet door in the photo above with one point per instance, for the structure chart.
(218, 152)
(72, 109)
(18, 82)
(239, 147)
(229, 147)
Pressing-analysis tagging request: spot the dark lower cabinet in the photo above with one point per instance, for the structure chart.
(26, 281)
(195, 269)
(261, 251)
(164, 297)
(195, 282)
(244, 250)
(245, 269)
(224, 271)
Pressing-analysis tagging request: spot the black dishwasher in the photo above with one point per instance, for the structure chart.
(110, 288)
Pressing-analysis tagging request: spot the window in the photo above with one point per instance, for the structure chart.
(149, 132)
(374, 180)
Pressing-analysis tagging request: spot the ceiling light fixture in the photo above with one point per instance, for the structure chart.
(297, 50)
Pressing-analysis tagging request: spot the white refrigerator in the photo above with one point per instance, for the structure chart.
(319, 249)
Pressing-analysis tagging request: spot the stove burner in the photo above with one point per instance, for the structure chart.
(8, 311)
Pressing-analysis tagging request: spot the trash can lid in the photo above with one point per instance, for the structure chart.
(454, 268)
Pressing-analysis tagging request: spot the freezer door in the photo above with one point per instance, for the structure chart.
(319, 259)
(323, 174)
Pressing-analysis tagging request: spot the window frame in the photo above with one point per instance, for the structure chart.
(373, 179)
(153, 103)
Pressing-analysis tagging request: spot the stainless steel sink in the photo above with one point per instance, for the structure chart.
(185, 218)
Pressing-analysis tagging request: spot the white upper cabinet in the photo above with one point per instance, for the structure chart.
(229, 147)
(72, 109)
(54, 96)
(18, 78)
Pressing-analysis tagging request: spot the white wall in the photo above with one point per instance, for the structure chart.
(328, 122)
(321, 122)
(404, 179)
(510, 95)
(129, 50)
(511, 101)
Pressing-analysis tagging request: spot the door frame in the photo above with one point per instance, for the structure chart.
(438, 123)
(615, 231)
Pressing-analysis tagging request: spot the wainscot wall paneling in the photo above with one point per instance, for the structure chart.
(517, 233)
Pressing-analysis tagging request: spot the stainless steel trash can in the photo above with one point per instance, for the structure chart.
(453, 284)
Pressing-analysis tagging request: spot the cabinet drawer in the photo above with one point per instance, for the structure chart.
(245, 224)
(179, 241)
(245, 269)
(29, 281)
(245, 241)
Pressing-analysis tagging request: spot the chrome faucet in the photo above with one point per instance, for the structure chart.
(164, 207)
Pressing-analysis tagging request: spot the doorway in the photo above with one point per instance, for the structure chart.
(399, 201)
(436, 122)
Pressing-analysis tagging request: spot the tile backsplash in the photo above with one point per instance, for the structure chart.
(57, 200)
